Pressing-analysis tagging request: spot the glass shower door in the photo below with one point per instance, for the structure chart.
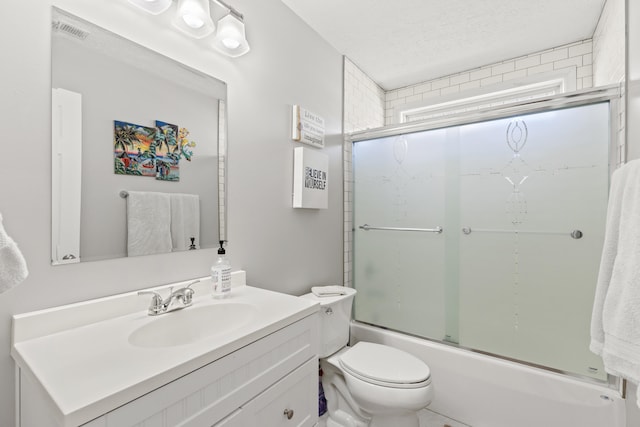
(399, 185)
(522, 203)
(527, 286)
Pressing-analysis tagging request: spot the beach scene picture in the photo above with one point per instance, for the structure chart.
(168, 152)
(134, 149)
(150, 151)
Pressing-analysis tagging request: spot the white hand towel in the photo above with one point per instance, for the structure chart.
(615, 322)
(185, 221)
(148, 223)
(328, 291)
(13, 268)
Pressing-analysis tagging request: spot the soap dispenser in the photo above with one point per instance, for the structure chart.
(221, 274)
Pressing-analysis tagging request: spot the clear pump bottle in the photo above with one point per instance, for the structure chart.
(221, 274)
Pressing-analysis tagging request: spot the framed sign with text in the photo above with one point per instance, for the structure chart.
(310, 179)
(307, 127)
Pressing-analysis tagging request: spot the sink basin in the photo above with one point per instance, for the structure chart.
(192, 324)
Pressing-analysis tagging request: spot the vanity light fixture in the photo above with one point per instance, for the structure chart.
(154, 7)
(230, 37)
(193, 17)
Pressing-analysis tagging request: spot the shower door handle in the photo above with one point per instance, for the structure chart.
(367, 227)
(575, 234)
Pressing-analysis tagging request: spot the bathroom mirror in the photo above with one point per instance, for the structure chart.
(120, 118)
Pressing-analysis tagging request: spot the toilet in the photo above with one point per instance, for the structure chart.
(367, 384)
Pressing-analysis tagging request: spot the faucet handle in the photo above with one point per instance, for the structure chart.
(188, 292)
(156, 296)
(156, 302)
(188, 296)
(192, 283)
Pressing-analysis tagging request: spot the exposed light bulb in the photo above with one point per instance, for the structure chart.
(230, 32)
(230, 38)
(193, 17)
(193, 21)
(231, 43)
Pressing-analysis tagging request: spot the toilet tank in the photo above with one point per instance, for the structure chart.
(335, 314)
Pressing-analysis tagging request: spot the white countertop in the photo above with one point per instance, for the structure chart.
(88, 368)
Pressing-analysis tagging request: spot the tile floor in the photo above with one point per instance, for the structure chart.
(427, 419)
(432, 419)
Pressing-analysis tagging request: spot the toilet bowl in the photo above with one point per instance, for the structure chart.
(367, 384)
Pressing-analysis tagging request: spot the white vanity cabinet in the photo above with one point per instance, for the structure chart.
(266, 378)
(233, 420)
(262, 380)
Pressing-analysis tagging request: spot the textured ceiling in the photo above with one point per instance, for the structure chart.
(402, 42)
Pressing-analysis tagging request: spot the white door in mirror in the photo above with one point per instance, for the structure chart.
(66, 175)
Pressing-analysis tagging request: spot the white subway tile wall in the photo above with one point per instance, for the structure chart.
(578, 55)
(608, 60)
(364, 100)
(364, 105)
(609, 45)
(348, 212)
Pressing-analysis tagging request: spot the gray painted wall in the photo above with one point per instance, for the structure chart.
(281, 248)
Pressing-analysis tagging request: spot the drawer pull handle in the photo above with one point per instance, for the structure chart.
(288, 413)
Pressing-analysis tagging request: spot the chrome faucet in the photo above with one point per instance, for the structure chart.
(176, 300)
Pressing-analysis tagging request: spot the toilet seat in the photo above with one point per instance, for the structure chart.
(385, 366)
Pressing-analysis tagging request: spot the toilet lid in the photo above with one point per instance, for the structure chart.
(385, 365)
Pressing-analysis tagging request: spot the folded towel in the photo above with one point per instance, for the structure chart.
(615, 334)
(148, 223)
(328, 291)
(13, 268)
(185, 221)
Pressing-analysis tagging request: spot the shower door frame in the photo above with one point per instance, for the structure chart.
(617, 154)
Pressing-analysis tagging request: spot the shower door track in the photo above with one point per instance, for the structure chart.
(573, 99)
(612, 382)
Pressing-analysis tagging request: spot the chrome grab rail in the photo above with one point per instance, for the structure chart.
(367, 227)
(575, 234)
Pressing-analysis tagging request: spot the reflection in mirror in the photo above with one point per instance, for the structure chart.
(127, 121)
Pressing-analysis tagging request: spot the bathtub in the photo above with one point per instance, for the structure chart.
(484, 391)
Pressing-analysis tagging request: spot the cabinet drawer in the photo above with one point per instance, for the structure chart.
(296, 394)
(233, 420)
